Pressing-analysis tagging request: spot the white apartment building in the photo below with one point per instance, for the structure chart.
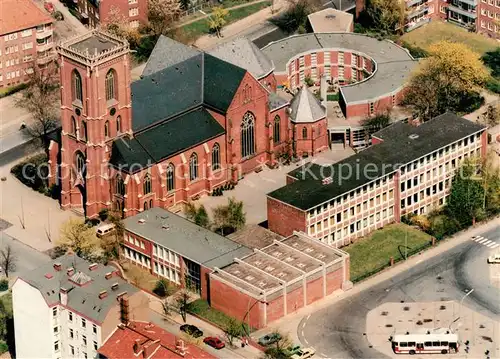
(69, 307)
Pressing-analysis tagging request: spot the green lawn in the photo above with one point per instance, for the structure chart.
(200, 27)
(437, 30)
(373, 253)
(203, 310)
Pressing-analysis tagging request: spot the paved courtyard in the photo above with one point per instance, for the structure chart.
(253, 188)
(389, 319)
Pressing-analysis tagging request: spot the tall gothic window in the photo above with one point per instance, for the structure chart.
(276, 131)
(80, 163)
(304, 133)
(170, 177)
(77, 86)
(119, 124)
(84, 131)
(120, 186)
(106, 129)
(248, 135)
(110, 85)
(147, 184)
(73, 126)
(216, 157)
(193, 167)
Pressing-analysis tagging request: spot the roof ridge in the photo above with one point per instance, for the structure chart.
(202, 77)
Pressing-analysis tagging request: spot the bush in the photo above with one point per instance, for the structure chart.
(4, 284)
(103, 214)
(415, 51)
(33, 172)
(308, 81)
(201, 308)
(3, 347)
(493, 85)
(92, 222)
(12, 90)
(58, 15)
(162, 288)
(441, 225)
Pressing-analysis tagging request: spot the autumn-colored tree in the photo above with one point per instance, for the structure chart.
(492, 115)
(386, 15)
(162, 14)
(118, 24)
(443, 80)
(79, 237)
(217, 20)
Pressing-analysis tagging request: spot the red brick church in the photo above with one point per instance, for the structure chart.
(193, 122)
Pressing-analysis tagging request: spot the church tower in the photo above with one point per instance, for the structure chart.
(95, 110)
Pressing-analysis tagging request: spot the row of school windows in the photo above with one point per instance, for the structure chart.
(137, 257)
(350, 196)
(166, 254)
(167, 272)
(353, 211)
(429, 191)
(357, 226)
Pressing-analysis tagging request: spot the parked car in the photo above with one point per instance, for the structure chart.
(192, 330)
(49, 6)
(304, 353)
(293, 349)
(494, 259)
(214, 342)
(269, 339)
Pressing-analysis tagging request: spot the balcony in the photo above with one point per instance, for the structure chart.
(468, 2)
(417, 11)
(413, 25)
(45, 59)
(465, 12)
(44, 47)
(414, 2)
(44, 34)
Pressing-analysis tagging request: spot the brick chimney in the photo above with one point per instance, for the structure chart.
(57, 266)
(149, 348)
(93, 266)
(103, 294)
(63, 296)
(108, 275)
(137, 347)
(70, 271)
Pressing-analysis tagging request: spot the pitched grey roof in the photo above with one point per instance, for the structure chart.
(83, 286)
(167, 52)
(394, 63)
(185, 238)
(305, 108)
(276, 101)
(244, 53)
(397, 150)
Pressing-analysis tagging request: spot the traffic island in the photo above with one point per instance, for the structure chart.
(478, 335)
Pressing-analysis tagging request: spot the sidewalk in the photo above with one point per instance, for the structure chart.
(175, 321)
(294, 323)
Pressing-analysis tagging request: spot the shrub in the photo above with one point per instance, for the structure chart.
(308, 81)
(3, 347)
(92, 221)
(58, 15)
(415, 51)
(12, 90)
(33, 172)
(103, 214)
(493, 85)
(4, 284)
(162, 288)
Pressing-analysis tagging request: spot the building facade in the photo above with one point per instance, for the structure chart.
(26, 41)
(98, 13)
(191, 124)
(69, 307)
(407, 170)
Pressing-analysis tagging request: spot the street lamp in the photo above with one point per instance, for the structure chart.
(248, 312)
(460, 306)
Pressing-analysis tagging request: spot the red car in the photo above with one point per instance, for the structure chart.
(48, 6)
(214, 342)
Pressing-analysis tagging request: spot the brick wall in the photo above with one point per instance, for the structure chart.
(284, 219)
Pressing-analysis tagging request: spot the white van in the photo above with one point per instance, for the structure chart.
(104, 229)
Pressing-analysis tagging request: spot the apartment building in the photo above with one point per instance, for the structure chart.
(96, 13)
(26, 40)
(407, 170)
(68, 307)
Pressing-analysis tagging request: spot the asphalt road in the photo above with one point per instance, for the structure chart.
(27, 257)
(339, 331)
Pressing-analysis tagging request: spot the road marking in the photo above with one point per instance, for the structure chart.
(486, 243)
(302, 332)
(305, 340)
(482, 240)
(490, 245)
(477, 238)
(309, 316)
(323, 355)
(496, 245)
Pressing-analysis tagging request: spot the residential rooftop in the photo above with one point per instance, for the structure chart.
(16, 15)
(92, 288)
(402, 144)
(393, 63)
(147, 340)
(285, 260)
(187, 239)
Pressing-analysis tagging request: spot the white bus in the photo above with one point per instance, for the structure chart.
(429, 341)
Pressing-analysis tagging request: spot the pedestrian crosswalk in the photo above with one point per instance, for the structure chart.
(485, 242)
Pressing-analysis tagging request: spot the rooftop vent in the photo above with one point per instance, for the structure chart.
(413, 136)
(103, 294)
(165, 226)
(327, 180)
(141, 221)
(57, 266)
(93, 266)
(48, 276)
(114, 286)
(70, 271)
(331, 16)
(108, 275)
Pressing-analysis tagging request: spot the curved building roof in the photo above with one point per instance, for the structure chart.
(393, 63)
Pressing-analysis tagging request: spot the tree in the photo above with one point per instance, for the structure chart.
(8, 260)
(162, 288)
(230, 217)
(111, 244)
(295, 16)
(376, 123)
(79, 237)
(217, 20)
(466, 200)
(41, 100)
(446, 82)
(197, 215)
(162, 14)
(232, 329)
(119, 25)
(492, 60)
(184, 4)
(387, 16)
(279, 349)
(492, 115)
(182, 304)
